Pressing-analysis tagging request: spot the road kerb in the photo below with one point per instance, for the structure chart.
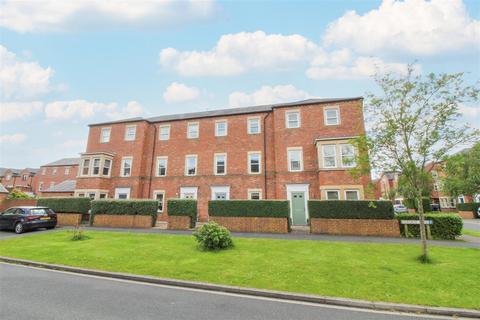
(353, 303)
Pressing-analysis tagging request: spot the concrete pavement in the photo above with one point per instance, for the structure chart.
(471, 224)
(30, 293)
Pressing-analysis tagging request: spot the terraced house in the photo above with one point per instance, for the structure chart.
(293, 151)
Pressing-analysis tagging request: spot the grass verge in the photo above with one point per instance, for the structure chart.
(471, 233)
(376, 272)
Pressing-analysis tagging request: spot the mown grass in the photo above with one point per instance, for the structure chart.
(471, 233)
(377, 272)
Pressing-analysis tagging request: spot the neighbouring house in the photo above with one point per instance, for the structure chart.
(295, 151)
(24, 180)
(63, 189)
(3, 193)
(54, 173)
(386, 186)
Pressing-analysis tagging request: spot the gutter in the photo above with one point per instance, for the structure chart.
(265, 153)
(153, 156)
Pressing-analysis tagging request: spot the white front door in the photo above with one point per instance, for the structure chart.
(188, 192)
(220, 193)
(122, 193)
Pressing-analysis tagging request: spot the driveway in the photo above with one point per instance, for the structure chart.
(471, 224)
(30, 293)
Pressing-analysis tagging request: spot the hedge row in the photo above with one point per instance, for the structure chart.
(348, 209)
(412, 204)
(66, 205)
(249, 208)
(125, 207)
(445, 226)
(183, 207)
(472, 206)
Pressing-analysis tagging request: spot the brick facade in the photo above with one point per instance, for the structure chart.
(253, 224)
(55, 173)
(357, 227)
(272, 142)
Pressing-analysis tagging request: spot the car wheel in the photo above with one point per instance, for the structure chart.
(49, 228)
(19, 228)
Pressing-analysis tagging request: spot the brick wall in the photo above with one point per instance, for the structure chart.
(253, 224)
(7, 203)
(357, 227)
(179, 222)
(57, 178)
(122, 221)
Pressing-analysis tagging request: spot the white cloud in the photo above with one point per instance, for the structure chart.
(267, 95)
(20, 79)
(57, 15)
(13, 138)
(415, 26)
(340, 67)
(178, 92)
(10, 111)
(64, 110)
(237, 53)
(469, 111)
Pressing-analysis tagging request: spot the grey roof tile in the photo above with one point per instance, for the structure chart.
(64, 186)
(63, 162)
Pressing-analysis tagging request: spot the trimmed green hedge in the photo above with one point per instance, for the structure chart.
(183, 207)
(412, 204)
(472, 206)
(67, 205)
(350, 209)
(249, 208)
(446, 226)
(125, 207)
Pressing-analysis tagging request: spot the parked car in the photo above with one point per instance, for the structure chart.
(399, 208)
(20, 219)
(435, 207)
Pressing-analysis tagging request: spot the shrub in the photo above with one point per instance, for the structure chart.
(249, 208)
(125, 207)
(18, 194)
(77, 234)
(183, 207)
(350, 209)
(412, 204)
(472, 206)
(445, 226)
(212, 236)
(70, 205)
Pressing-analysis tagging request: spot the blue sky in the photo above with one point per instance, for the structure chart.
(64, 65)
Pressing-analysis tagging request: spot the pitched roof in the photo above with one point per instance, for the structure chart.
(18, 171)
(64, 186)
(2, 189)
(230, 111)
(63, 162)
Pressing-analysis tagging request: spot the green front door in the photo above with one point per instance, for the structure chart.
(299, 216)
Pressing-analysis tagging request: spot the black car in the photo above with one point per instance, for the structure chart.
(20, 219)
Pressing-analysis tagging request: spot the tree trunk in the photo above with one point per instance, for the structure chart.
(423, 236)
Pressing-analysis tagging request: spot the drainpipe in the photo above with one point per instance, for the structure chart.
(265, 154)
(153, 156)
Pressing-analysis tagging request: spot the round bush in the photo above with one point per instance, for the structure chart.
(212, 236)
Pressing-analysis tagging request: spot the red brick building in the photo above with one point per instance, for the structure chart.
(295, 151)
(22, 179)
(55, 173)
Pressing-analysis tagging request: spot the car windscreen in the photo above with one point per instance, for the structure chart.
(38, 212)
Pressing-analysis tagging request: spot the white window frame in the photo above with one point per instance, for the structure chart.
(289, 159)
(332, 190)
(251, 191)
(299, 121)
(249, 128)
(66, 171)
(44, 171)
(334, 155)
(157, 171)
(164, 126)
(194, 156)
(82, 169)
(155, 192)
(40, 186)
(325, 118)
(127, 136)
(104, 139)
(109, 167)
(191, 124)
(100, 167)
(217, 122)
(188, 190)
(220, 189)
(122, 167)
(54, 171)
(250, 153)
(122, 190)
(215, 168)
(351, 190)
(351, 165)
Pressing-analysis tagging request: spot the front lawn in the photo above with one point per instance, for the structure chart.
(380, 272)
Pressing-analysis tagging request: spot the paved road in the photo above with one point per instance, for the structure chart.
(472, 224)
(30, 293)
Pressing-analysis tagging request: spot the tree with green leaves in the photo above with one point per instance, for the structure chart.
(462, 173)
(414, 121)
